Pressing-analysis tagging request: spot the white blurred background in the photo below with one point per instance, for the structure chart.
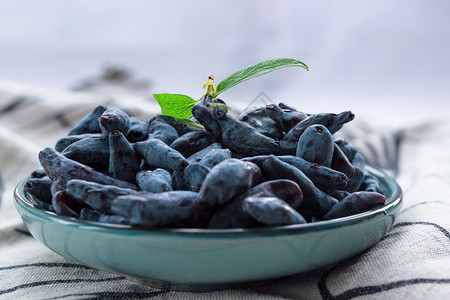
(387, 61)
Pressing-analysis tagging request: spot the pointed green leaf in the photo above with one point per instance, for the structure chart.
(175, 105)
(221, 105)
(257, 70)
(190, 123)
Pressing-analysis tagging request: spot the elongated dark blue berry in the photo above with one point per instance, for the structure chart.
(89, 124)
(228, 179)
(65, 205)
(95, 195)
(158, 154)
(316, 145)
(315, 201)
(160, 130)
(92, 151)
(124, 162)
(355, 203)
(40, 189)
(168, 209)
(272, 211)
(284, 118)
(370, 183)
(138, 130)
(232, 214)
(333, 122)
(323, 177)
(198, 156)
(62, 169)
(341, 162)
(192, 142)
(355, 181)
(338, 194)
(258, 118)
(214, 157)
(64, 142)
(348, 149)
(194, 175)
(114, 119)
(156, 181)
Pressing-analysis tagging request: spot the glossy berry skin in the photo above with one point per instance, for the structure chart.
(90, 151)
(156, 181)
(341, 162)
(124, 162)
(64, 205)
(316, 145)
(240, 137)
(62, 169)
(286, 107)
(370, 183)
(138, 130)
(198, 156)
(285, 119)
(359, 164)
(89, 124)
(315, 201)
(348, 149)
(38, 172)
(40, 189)
(168, 209)
(214, 157)
(158, 154)
(333, 122)
(160, 130)
(235, 173)
(95, 195)
(228, 179)
(272, 211)
(64, 142)
(193, 142)
(355, 203)
(178, 183)
(232, 214)
(244, 140)
(258, 118)
(204, 116)
(114, 119)
(56, 187)
(338, 194)
(194, 175)
(323, 177)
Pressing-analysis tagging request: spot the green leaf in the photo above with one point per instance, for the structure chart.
(190, 123)
(257, 70)
(175, 105)
(224, 106)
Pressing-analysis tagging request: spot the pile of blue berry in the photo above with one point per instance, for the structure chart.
(271, 166)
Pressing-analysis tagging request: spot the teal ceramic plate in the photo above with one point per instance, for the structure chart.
(206, 259)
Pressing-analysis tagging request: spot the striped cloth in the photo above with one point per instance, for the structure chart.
(411, 262)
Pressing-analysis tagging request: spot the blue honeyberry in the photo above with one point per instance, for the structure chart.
(316, 145)
(156, 181)
(89, 124)
(272, 211)
(114, 119)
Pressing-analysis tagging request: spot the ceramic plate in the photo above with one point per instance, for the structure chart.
(206, 259)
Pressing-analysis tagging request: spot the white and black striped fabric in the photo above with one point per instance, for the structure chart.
(411, 262)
